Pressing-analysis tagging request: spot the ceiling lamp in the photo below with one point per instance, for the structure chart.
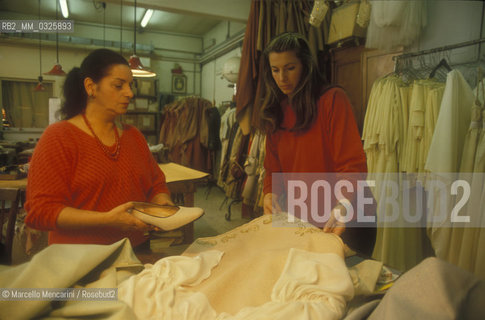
(64, 9)
(146, 18)
(40, 86)
(135, 64)
(57, 68)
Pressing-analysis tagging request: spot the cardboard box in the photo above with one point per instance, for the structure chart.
(343, 23)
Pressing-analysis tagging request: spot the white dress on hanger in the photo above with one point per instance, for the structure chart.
(445, 153)
(395, 23)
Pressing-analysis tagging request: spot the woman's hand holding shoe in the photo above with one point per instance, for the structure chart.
(121, 218)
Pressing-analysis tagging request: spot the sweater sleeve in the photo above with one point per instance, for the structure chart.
(346, 146)
(344, 140)
(158, 182)
(271, 165)
(48, 187)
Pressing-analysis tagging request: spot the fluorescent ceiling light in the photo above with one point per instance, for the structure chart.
(146, 17)
(64, 10)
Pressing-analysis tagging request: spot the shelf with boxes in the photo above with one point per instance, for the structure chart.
(144, 111)
(147, 120)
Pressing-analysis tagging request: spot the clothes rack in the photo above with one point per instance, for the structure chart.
(438, 49)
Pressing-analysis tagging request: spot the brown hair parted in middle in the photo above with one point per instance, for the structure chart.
(309, 89)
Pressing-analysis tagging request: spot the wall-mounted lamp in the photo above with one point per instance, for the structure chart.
(64, 9)
(146, 18)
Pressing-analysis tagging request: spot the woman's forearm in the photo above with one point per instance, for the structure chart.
(163, 199)
(119, 218)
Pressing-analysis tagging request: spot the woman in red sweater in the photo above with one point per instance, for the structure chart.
(310, 129)
(86, 170)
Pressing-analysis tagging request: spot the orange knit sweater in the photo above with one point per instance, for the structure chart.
(69, 169)
(330, 149)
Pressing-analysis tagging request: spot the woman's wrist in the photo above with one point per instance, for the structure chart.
(162, 199)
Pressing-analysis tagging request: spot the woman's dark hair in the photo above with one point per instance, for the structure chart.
(95, 66)
(307, 92)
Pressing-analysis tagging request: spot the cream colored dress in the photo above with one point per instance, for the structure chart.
(479, 243)
(445, 154)
(468, 237)
(385, 128)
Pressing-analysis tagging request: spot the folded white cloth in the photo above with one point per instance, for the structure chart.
(159, 291)
(312, 286)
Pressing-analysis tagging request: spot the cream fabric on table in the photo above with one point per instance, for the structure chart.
(253, 249)
(251, 272)
(160, 291)
(68, 266)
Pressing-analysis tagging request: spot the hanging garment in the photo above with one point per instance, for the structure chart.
(461, 237)
(184, 131)
(214, 126)
(228, 120)
(252, 168)
(424, 106)
(445, 154)
(266, 20)
(385, 132)
(452, 125)
(395, 23)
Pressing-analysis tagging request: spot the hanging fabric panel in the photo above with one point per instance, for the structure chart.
(266, 20)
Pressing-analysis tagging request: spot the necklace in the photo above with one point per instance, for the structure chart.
(113, 155)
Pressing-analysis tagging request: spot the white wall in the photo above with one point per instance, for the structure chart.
(20, 61)
(168, 49)
(214, 88)
(220, 33)
(452, 22)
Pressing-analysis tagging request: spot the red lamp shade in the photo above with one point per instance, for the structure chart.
(39, 86)
(56, 71)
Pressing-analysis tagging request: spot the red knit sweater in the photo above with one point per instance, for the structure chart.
(69, 169)
(331, 145)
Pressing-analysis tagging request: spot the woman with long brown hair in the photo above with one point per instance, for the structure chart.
(310, 128)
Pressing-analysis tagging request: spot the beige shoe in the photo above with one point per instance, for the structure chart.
(165, 217)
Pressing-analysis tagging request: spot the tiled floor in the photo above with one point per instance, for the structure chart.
(213, 222)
